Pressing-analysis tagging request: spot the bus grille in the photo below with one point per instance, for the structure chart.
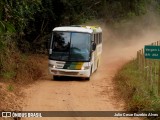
(68, 73)
(64, 73)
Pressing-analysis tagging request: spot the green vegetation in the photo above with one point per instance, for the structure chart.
(133, 88)
(10, 88)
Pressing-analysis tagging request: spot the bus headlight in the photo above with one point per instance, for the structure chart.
(85, 67)
(51, 65)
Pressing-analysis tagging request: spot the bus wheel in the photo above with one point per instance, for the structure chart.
(88, 78)
(97, 65)
(56, 77)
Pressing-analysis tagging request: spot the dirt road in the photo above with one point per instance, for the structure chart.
(72, 94)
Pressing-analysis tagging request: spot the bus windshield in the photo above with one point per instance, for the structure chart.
(71, 46)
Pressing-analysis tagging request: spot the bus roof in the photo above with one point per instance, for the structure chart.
(78, 28)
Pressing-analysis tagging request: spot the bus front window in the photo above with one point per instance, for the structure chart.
(80, 46)
(71, 46)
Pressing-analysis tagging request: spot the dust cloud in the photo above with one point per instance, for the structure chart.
(123, 40)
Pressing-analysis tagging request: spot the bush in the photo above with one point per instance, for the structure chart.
(16, 66)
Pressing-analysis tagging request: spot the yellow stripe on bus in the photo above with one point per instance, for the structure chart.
(79, 65)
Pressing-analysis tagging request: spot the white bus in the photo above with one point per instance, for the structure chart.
(75, 51)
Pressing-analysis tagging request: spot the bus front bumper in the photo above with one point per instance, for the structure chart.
(74, 73)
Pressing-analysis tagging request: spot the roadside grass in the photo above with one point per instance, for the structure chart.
(20, 68)
(134, 89)
(28, 69)
(23, 71)
(16, 71)
(8, 74)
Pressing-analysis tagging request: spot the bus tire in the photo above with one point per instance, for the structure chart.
(88, 78)
(97, 65)
(56, 77)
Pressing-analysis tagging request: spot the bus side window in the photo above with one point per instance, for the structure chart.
(101, 37)
(97, 39)
(94, 38)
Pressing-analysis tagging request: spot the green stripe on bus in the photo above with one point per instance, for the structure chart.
(73, 65)
(67, 65)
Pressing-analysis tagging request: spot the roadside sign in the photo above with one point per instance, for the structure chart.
(152, 52)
